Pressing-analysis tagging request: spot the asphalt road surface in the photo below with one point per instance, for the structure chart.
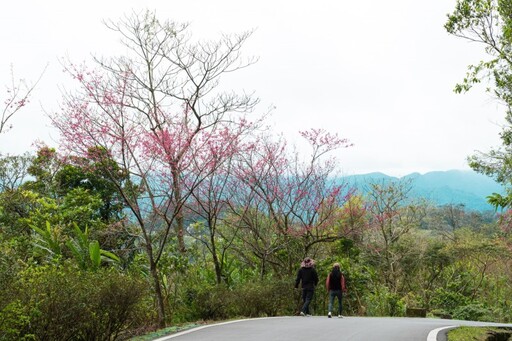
(324, 329)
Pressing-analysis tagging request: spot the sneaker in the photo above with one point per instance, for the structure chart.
(302, 313)
(340, 317)
(308, 315)
(329, 315)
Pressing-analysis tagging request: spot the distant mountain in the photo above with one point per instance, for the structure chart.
(441, 187)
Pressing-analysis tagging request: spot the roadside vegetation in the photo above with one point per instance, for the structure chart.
(479, 334)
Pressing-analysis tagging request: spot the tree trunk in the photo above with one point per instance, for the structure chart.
(180, 221)
(216, 262)
(158, 289)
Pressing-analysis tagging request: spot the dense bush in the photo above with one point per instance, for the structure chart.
(448, 300)
(64, 303)
(473, 312)
(212, 302)
(250, 299)
(265, 298)
(382, 302)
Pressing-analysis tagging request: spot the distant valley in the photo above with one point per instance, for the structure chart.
(441, 187)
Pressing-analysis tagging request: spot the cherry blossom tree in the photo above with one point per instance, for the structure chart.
(159, 112)
(255, 204)
(288, 203)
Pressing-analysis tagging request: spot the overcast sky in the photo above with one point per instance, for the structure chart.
(380, 73)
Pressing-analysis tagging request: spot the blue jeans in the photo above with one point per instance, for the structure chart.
(307, 296)
(332, 295)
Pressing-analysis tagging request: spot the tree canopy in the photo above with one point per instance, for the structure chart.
(489, 23)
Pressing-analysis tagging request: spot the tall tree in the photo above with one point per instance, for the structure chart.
(392, 216)
(489, 22)
(160, 114)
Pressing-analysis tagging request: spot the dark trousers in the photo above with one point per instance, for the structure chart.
(335, 294)
(307, 296)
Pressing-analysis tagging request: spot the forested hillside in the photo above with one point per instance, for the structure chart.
(455, 187)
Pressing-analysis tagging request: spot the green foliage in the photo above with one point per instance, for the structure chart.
(8, 264)
(382, 302)
(448, 300)
(49, 240)
(15, 208)
(87, 186)
(65, 303)
(270, 297)
(468, 333)
(86, 252)
(499, 201)
(43, 169)
(80, 206)
(488, 22)
(98, 175)
(212, 302)
(472, 312)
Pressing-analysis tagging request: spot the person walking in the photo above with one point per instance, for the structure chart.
(335, 284)
(309, 278)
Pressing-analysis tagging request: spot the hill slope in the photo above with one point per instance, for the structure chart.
(441, 187)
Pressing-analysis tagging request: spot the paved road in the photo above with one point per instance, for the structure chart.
(324, 329)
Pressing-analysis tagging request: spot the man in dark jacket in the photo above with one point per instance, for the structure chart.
(309, 278)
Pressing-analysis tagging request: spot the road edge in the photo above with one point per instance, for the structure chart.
(168, 337)
(432, 336)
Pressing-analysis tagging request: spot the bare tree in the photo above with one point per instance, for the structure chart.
(18, 96)
(392, 217)
(13, 171)
(208, 208)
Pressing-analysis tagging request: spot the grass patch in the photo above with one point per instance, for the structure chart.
(177, 328)
(166, 331)
(478, 333)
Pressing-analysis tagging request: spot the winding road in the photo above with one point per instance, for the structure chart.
(325, 329)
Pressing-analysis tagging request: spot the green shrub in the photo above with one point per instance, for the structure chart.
(265, 298)
(251, 299)
(448, 300)
(472, 312)
(211, 302)
(382, 302)
(64, 303)
(13, 319)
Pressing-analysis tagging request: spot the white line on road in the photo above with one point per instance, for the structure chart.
(432, 336)
(164, 338)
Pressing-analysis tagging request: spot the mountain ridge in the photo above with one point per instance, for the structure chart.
(465, 187)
